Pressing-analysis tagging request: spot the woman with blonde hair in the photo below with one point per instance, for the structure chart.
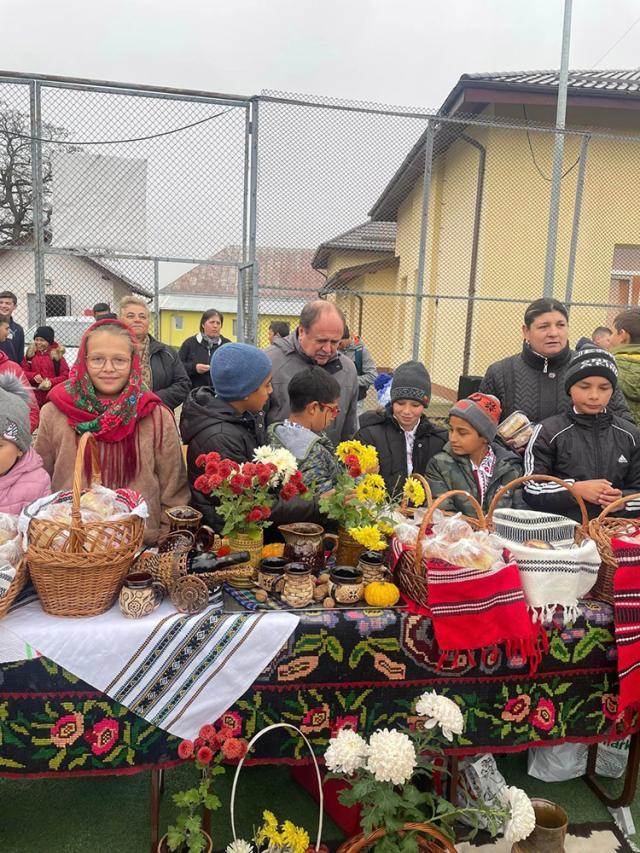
(137, 436)
(162, 370)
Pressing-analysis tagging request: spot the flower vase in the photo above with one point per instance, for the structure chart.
(164, 848)
(348, 550)
(549, 832)
(248, 572)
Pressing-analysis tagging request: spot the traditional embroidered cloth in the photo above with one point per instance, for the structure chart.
(484, 472)
(7, 574)
(178, 672)
(110, 421)
(626, 613)
(550, 578)
(481, 608)
(145, 363)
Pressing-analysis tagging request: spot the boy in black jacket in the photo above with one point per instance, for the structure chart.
(591, 448)
(401, 432)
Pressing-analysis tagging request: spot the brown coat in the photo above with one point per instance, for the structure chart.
(161, 479)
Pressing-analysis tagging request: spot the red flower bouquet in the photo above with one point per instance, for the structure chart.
(246, 493)
(208, 750)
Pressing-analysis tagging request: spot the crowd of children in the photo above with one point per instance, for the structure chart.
(583, 442)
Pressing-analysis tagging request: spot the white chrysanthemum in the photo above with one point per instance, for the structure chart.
(442, 712)
(523, 818)
(240, 846)
(392, 756)
(347, 752)
(282, 458)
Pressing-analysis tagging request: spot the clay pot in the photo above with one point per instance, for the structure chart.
(549, 832)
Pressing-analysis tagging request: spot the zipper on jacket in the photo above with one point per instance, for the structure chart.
(546, 365)
(596, 431)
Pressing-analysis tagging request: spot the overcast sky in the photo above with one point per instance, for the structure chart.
(393, 51)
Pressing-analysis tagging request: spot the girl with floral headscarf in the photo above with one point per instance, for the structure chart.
(137, 438)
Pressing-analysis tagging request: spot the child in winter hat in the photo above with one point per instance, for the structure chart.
(590, 446)
(471, 461)
(241, 374)
(22, 474)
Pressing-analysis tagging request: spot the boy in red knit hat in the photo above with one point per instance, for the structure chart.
(471, 460)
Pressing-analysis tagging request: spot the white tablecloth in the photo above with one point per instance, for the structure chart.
(177, 672)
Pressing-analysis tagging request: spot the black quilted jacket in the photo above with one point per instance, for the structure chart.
(532, 384)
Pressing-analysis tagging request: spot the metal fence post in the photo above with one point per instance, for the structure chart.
(424, 226)
(254, 283)
(568, 294)
(156, 298)
(37, 196)
(558, 151)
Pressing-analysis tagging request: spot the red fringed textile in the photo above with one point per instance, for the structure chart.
(478, 609)
(626, 615)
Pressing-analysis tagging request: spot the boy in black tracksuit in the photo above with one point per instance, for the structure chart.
(591, 448)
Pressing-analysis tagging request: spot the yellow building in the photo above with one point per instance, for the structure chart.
(286, 281)
(362, 270)
(489, 211)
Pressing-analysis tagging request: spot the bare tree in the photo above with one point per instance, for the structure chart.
(16, 185)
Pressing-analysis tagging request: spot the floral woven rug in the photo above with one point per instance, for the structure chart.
(581, 838)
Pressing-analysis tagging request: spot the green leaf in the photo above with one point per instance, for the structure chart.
(334, 647)
(308, 643)
(558, 650)
(358, 652)
(79, 761)
(55, 762)
(212, 802)
(9, 762)
(562, 688)
(505, 730)
(595, 637)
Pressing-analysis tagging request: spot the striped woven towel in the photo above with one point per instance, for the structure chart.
(481, 608)
(626, 615)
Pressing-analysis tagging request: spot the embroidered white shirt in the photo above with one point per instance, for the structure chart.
(409, 438)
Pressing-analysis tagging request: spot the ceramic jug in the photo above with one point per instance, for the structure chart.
(345, 584)
(304, 543)
(140, 595)
(297, 585)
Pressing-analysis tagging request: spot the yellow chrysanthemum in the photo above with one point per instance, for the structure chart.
(385, 528)
(371, 488)
(414, 492)
(294, 838)
(269, 830)
(366, 455)
(369, 537)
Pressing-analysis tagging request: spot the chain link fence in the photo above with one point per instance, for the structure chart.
(430, 232)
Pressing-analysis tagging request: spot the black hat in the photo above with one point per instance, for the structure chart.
(411, 382)
(591, 362)
(45, 332)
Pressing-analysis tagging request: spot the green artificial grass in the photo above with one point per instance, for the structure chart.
(110, 814)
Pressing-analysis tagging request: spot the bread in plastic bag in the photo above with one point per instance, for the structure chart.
(10, 541)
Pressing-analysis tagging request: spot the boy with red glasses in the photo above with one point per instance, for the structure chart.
(313, 395)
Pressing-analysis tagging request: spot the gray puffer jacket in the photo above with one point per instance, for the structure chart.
(288, 359)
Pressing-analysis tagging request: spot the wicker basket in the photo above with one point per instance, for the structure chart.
(582, 530)
(17, 585)
(82, 575)
(410, 571)
(603, 529)
(435, 842)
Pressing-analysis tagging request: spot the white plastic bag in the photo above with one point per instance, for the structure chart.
(479, 780)
(557, 763)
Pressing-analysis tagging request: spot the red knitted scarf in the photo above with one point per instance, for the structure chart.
(480, 608)
(112, 422)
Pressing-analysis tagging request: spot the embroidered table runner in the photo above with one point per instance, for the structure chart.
(178, 672)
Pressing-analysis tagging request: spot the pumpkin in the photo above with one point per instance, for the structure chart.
(275, 549)
(381, 594)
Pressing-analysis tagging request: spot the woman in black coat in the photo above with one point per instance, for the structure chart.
(196, 352)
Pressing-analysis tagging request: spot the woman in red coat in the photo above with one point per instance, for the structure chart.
(44, 363)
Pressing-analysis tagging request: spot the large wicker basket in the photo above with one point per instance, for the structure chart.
(79, 570)
(434, 842)
(581, 531)
(603, 529)
(410, 571)
(17, 585)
